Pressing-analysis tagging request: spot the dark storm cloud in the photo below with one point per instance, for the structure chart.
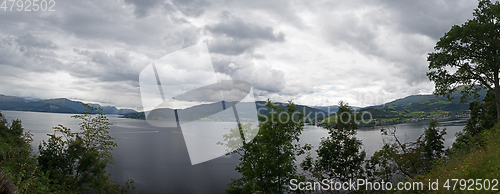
(235, 36)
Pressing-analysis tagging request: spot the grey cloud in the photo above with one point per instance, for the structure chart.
(16, 22)
(261, 77)
(142, 6)
(228, 46)
(157, 27)
(29, 40)
(97, 26)
(115, 67)
(113, 22)
(233, 36)
(239, 29)
(181, 39)
(350, 30)
(410, 21)
(283, 10)
(430, 18)
(412, 64)
(192, 8)
(16, 52)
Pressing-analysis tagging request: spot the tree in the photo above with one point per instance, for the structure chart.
(483, 115)
(18, 168)
(433, 141)
(6, 135)
(468, 56)
(340, 157)
(398, 157)
(381, 166)
(78, 160)
(407, 158)
(6, 185)
(267, 162)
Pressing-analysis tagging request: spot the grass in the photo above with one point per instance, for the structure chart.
(482, 163)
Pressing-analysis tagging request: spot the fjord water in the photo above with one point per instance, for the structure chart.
(157, 158)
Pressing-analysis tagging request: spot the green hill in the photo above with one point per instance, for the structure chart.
(418, 106)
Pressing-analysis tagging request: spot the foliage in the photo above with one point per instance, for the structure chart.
(340, 157)
(233, 141)
(482, 117)
(433, 141)
(472, 50)
(139, 115)
(381, 165)
(407, 158)
(77, 161)
(16, 159)
(267, 162)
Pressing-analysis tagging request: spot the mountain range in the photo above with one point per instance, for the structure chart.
(58, 105)
(421, 104)
(408, 107)
(207, 112)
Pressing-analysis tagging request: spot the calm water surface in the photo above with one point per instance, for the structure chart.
(157, 158)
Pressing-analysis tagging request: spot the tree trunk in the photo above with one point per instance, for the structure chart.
(496, 90)
(497, 97)
(6, 186)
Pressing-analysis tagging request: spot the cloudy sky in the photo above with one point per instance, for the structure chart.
(311, 52)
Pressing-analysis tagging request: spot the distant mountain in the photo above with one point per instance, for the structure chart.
(206, 111)
(31, 99)
(115, 111)
(16, 103)
(333, 109)
(76, 106)
(58, 105)
(261, 106)
(11, 98)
